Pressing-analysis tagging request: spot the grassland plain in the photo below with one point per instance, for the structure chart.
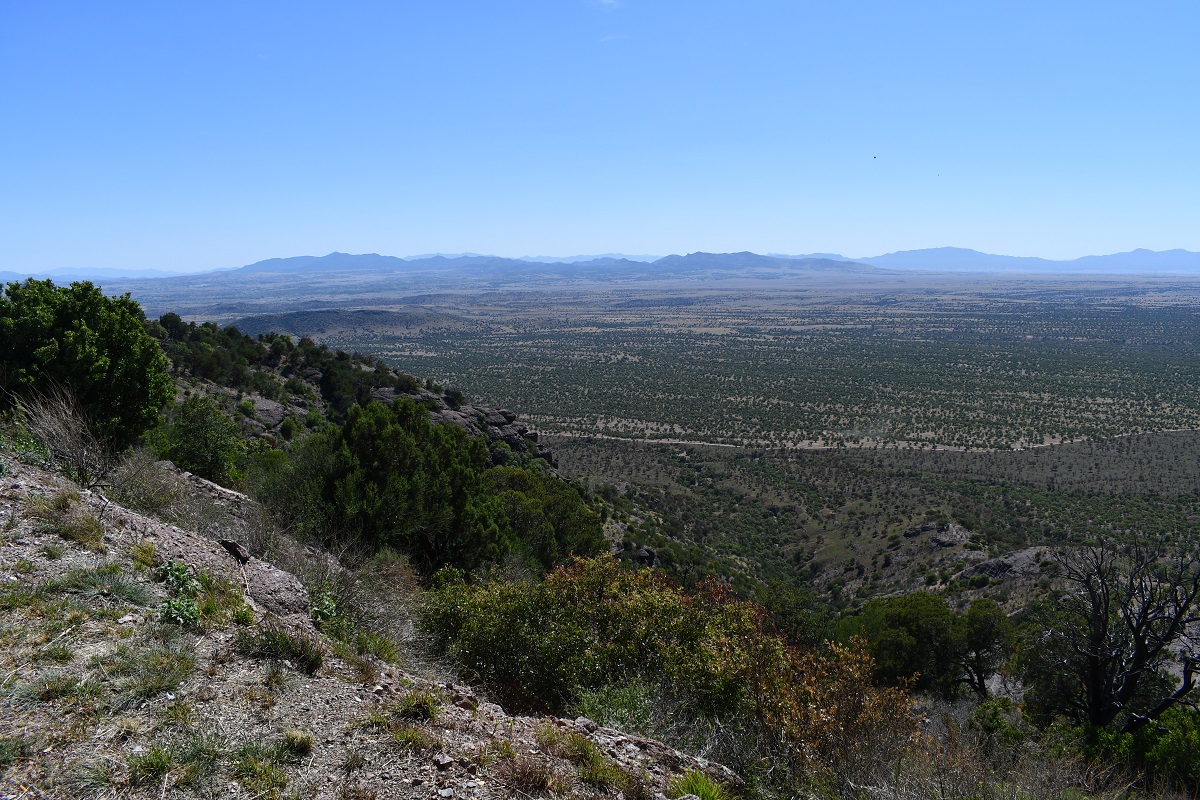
(792, 370)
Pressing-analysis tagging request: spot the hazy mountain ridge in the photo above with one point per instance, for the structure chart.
(961, 259)
(499, 270)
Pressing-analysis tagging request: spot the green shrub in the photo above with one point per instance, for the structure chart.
(593, 622)
(202, 440)
(179, 611)
(95, 346)
(178, 580)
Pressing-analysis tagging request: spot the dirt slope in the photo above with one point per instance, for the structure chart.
(102, 695)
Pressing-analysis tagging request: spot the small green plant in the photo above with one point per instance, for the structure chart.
(496, 750)
(220, 600)
(82, 528)
(52, 551)
(150, 671)
(12, 749)
(177, 577)
(99, 776)
(530, 776)
(142, 554)
(697, 783)
(324, 606)
(376, 720)
(625, 706)
(64, 515)
(179, 611)
(180, 712)
(200, 754)
(64, 500)
(24, 566)
(353, 760)
(59, 653)
(103, 582)
(54, 685)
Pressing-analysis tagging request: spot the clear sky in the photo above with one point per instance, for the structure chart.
(187, 135)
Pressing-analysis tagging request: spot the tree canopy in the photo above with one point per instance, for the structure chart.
(96, 346)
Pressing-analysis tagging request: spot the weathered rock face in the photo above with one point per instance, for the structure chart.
(266, 586)
(1025, 563)
(270, 412)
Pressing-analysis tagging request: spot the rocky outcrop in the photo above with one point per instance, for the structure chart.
(1024, 563)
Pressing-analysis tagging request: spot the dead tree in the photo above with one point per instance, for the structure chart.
(1127, 617)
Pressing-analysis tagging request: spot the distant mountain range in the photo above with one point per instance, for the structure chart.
(958, 259)
(96, 274)
(497, 270)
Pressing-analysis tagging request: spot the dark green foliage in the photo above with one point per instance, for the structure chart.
(917, 640)
(231, 358)
(406, 483)
(911, 635)
(388, 477)
(546, 514)
(95, 346)
(13, 748)
(985, 642)
(203, 440)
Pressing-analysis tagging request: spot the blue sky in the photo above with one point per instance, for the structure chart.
(201, 135)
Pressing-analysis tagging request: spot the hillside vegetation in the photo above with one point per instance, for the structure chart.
(275, 637)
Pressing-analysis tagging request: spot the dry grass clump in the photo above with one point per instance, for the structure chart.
(65, 515)
(273, 641)
(142, 483)
(56, 421)
(593, 767)
(532, 776)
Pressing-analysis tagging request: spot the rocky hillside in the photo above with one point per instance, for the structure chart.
(150, 655)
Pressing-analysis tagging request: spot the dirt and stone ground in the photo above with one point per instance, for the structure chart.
(101, 695)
